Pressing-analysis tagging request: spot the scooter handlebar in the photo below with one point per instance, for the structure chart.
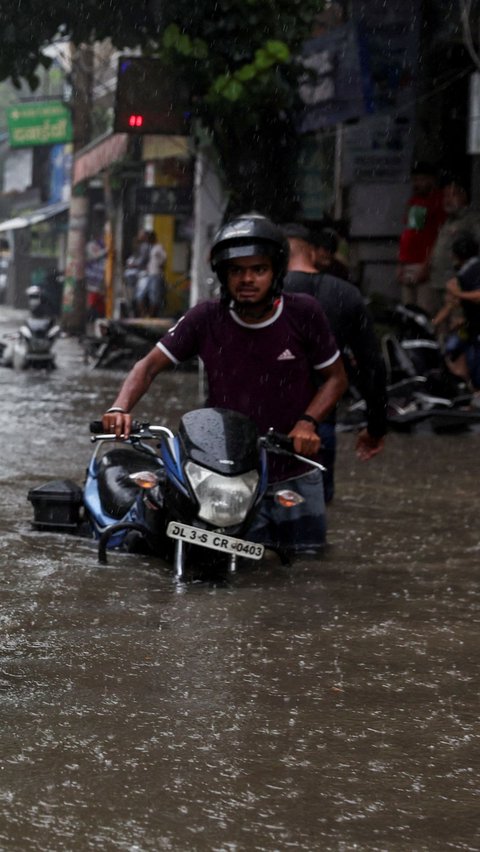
(138, 430)
(275, 442)
(96, 428)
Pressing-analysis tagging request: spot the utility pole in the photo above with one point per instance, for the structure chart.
(74, 292)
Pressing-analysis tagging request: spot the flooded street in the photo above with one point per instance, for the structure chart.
(331, 706)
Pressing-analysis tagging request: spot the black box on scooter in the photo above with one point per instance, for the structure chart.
(56, 505)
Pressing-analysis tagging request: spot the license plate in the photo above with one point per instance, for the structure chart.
(215, 541)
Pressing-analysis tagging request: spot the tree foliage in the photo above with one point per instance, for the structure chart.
(239, 59)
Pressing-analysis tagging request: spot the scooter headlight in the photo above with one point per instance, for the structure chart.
(224, 500)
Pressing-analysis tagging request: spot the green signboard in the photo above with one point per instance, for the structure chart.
(39, 123)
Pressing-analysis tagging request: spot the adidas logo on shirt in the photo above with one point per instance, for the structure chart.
(286, 356)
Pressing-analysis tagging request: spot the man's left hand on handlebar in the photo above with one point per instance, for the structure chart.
(306, 442)
(118, 423)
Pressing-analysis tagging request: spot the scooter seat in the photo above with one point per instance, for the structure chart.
(117, 492)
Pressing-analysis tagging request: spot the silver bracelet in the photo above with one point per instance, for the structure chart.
(115, 408)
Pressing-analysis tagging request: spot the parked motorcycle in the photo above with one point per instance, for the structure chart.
(122, 342)
(420, 386)
(32, 345)
(189, 499)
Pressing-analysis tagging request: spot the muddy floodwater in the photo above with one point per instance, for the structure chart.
(332, 705)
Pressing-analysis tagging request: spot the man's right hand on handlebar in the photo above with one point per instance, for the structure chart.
(118, 423)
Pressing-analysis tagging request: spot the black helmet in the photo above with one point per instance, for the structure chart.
(244, 237)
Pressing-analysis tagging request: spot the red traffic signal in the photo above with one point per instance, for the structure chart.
(150, 98)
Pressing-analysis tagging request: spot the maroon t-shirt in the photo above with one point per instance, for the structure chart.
(266, 370)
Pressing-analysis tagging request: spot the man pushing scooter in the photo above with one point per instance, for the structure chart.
(261, 350)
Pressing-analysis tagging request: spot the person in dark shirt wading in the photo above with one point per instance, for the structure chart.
(353, 328)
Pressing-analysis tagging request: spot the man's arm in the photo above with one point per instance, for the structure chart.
(305, 438)
(370, 376)
(454, 289)
(134, 387)
(451, 301)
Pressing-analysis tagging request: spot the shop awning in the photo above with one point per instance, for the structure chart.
(163, 147)
(94, 158)
(33, 218)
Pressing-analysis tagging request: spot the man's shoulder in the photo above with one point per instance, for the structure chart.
(470, 272)
(206, 307)
(434, 200)
(323, 286)
(201, 312)
(329, 281)
(300, 283)
(304, 311)
(297, 302)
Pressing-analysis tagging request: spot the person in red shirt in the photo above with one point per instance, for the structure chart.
(423, 218)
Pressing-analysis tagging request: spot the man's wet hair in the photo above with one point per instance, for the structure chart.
(297, 231)
(327, 239)
(465, 245)
(457, 182)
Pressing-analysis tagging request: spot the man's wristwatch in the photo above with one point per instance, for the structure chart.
(309, 419)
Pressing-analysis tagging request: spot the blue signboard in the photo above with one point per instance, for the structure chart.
(60, 167)
(365, 67)
(332, 89)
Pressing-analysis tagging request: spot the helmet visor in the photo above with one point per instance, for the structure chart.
(230, 252)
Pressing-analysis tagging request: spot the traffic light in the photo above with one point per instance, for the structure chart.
(135, 121)
(149, 98)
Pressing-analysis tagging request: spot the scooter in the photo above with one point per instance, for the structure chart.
(32, 344)
(191, 499)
